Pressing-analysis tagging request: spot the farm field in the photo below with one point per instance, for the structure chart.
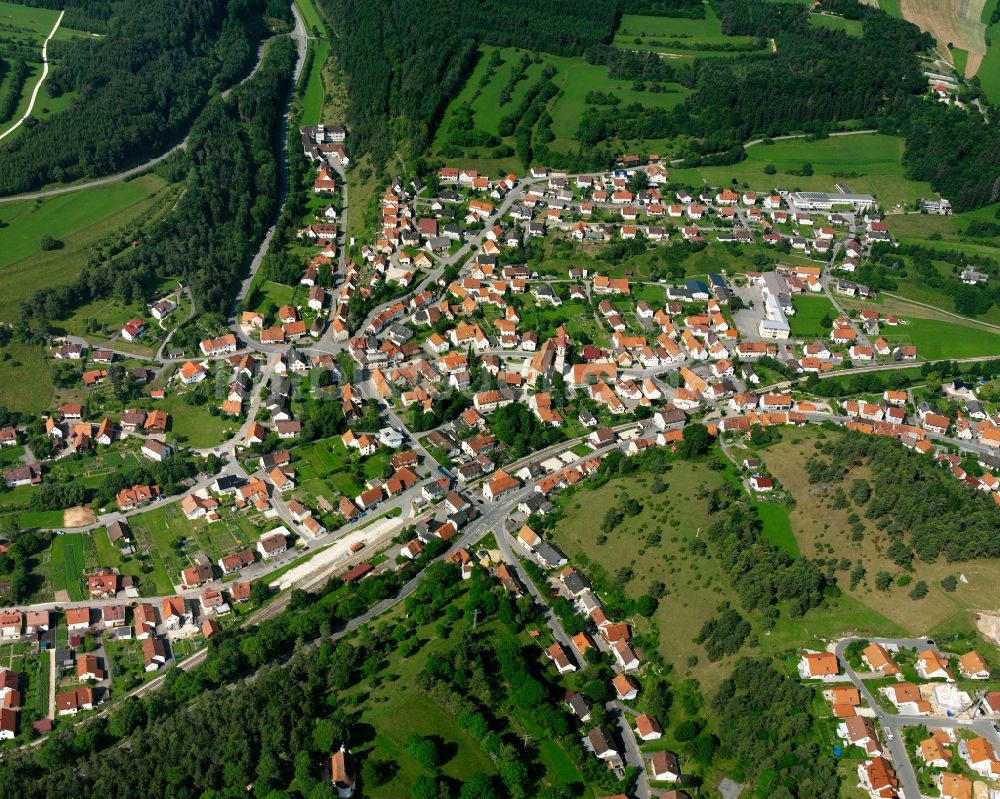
(78, 220)
(852, 27)
(823, 531)
(936, 339)
(67, 565)
(809, 311)
(952, 23)
(869, 163)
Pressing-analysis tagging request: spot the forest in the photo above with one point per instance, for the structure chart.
(213, 231)
(136, 89)
(925, 511)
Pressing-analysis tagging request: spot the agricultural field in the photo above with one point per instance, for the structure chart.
(870, 163)
(954, 23)
(678, 38)
(314, 94)
(77, 220)
(67, 565)
(936, 339)
(809, 313)
(824, 531)
(852, 27)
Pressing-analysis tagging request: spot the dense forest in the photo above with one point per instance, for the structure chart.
(923, 509)
(211, 234)
(137, 88)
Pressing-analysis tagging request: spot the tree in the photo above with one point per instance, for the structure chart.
(424, 751)
(770, 169)
(949, 583)
(883, 580)
(696, 441)
(48, 243)
(919, 590)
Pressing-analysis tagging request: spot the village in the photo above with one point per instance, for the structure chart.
(429, 385)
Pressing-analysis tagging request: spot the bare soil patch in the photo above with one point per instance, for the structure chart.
(79, 516)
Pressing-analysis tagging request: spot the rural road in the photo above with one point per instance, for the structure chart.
(41, 80)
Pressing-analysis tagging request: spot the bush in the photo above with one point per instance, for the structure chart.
(919, 590)
(949, 583)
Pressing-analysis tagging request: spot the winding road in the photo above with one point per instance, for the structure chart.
(41, 79)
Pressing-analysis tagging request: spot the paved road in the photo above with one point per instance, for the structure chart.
(893, 723)
(41, 79)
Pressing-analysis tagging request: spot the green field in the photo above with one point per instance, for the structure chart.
(778, 527)
(961, 58)
(852, 27)
(314, 93)
(67, 564)
(936, 339)
(78, 220)
(25, 378)
(891, 7)
(193, 425)
(989, 69)
(326, 468)
(677, 38)
(809, 311)
(310, 15)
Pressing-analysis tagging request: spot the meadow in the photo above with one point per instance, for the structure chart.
(314, 94)
(25, 378)
(575, 77)
(78, 220)
(67, 565)
(824, 531)
(989, 69)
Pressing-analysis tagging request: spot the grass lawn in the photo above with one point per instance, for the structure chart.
(852, 27)
(961, 58)
(809, 312)
(67, 564)
(25, 379)
(193, 425)
(638, 32)
(327, 469)
(78, 220)
(823, 531)
(310, 15)
(866, 162)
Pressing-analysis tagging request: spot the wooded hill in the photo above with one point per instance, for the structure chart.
(137, 88)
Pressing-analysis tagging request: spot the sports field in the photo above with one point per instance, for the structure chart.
(78, 220)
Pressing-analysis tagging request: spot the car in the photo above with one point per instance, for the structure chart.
(996, 727)
(888, 735)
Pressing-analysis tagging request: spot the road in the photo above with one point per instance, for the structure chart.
(41, 79)
(893, 723)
